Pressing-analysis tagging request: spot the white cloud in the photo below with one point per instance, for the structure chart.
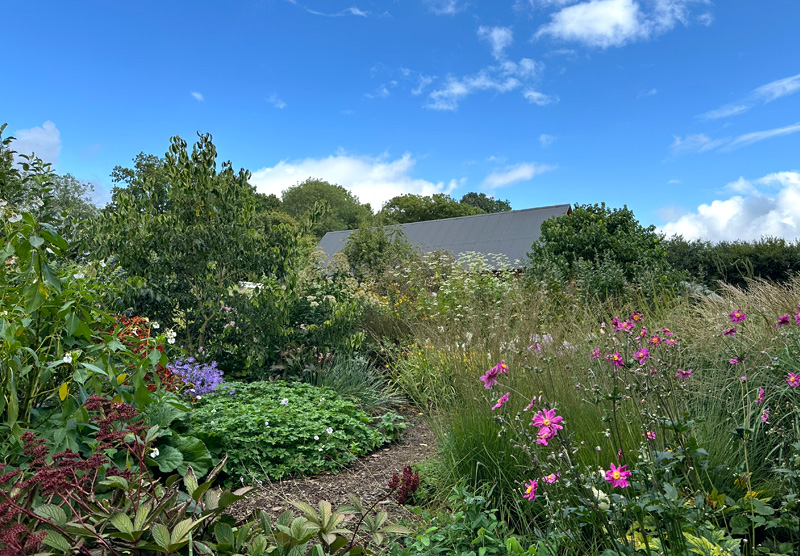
(44, 141)
(760, 95)
(445, 7)
(672, 181)
(607, 23)
(380, 92)
(353, 10)
(276, 101)
(197, 96)
(769, 206)
(373, 180)
(647, 93)
(513, 174)
(701, 142)
(546, 140)
(540, 99)
(499, 38)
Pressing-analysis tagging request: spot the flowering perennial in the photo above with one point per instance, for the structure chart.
(618, 476)
(530, 491)
(738, 316)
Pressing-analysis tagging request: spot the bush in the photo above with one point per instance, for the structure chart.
(273, 430)
(358, 381)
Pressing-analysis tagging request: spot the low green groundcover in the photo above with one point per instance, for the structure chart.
(271, 430)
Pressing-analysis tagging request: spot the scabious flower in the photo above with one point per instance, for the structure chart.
(490, 378)
(641, 355)
(760, 398)
(685, 375)
(783, 320)
(530, 491)
(503, 399)
(730, 332)
(737, 316)
(618, 476)
(595, 354)
(615, 359)
(793, 380)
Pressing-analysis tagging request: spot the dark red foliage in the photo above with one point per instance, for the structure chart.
(405, 485)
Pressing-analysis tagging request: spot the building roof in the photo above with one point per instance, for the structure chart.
(509, 233)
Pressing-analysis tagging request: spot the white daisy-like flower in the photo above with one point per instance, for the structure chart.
(78, 275)
(285, 401)
(329, 430)
(15, 217)
(213, 411)
(154, 453)
(316, 437)
(266, 424)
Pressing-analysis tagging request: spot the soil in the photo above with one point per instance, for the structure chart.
(366, 478)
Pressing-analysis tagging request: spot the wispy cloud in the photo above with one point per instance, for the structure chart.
(609, 23)
(647, 93)
(276, 101)
(380, 92)
(197, 96)
(546, 140)
(768, 206)
(44, 141)
(353, 10)
(761, 95)
(499, 38)
(373, 179)
(513, 174)
(539, 99)
(701, 142)
(445, 7)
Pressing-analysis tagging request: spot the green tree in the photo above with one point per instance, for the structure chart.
(485, 203)
(374, 248)
(408, 208)
(188, 234)
(343, 211)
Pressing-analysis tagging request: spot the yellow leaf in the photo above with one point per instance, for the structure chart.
(121, 378)
(63, 390)
(118, 399)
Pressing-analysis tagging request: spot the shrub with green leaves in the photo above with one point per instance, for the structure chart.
(272, 430)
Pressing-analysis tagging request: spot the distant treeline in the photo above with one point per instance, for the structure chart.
(734, 262)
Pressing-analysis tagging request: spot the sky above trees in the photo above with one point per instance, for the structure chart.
(685, 110)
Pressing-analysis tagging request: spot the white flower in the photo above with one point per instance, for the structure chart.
(154, 453)
(15, 217)
(67, 358)
(170, 340)
(78, 275)
(156, 325)
(171, 333)
(316, 437)
(329, 430)
(213, 411)
(211, 423)
(285, 401)
(199, 398)
(319, 449)
(322, 399)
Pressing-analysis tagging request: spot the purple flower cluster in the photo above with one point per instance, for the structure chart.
(201, 377)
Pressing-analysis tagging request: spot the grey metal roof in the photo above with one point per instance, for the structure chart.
(501, 233)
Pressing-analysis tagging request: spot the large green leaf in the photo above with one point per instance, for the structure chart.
(194, 453)
(168, 458)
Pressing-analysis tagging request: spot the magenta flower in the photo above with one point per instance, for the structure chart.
(547, 421)
(655, 340)
(666, 331)
(793, 380)
(615, 359)
(626, 326)
(616, 324)
(641, 355)
(501, 367)
(637, 316)
(642, 334)
(737, 316)
(544, 436)
(670, 342)
(503, 399)
(743, 378)
(530, 491)
(651, 435)
(783, 321)
(734, 361)
(760, 398)
(595, 354)
(765, 415)
(797, 316)
(618, 476)
(730, 332)
(685, 375)
(530, 405)
(551, 478)
(490, 378)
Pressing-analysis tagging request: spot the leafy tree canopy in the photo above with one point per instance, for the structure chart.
(404, 209)
(343, 211)
(485, 203)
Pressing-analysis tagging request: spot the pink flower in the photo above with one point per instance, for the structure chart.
(730, 332)
(737, 316)
(490, 378)
(797, 316)
(642, 334)
(765, 415)
(641, 355)
(544, 436)
(503, 399)
(551, 478)
(670, 342)
(636, 316)
(501, 367)
(655, 340)
(615, 359)
(626, 326)
(783, 321)
(743, 378)
(530, 491)
(734, 361)
(530, 405)
(760, 398)
(547, 421)
(793, 380)
(595, 354)
(666, 331)
(651, 435)
(616, 324)
(618, 476)
(685, 375)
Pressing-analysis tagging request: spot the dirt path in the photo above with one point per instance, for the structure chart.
(366, 477)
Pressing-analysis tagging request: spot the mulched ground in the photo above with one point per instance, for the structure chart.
(366, 477)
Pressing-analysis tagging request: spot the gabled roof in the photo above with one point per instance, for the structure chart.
(509, 233)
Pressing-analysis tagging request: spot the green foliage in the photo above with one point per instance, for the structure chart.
(188, 234)
(408, 208)
(357, 380)
(601, 251)
(268, 429)
(373, 249)
(392, 425)
(735, 262)
(485, 203)
(343, 209)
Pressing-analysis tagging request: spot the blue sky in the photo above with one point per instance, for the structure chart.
(685, 110)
